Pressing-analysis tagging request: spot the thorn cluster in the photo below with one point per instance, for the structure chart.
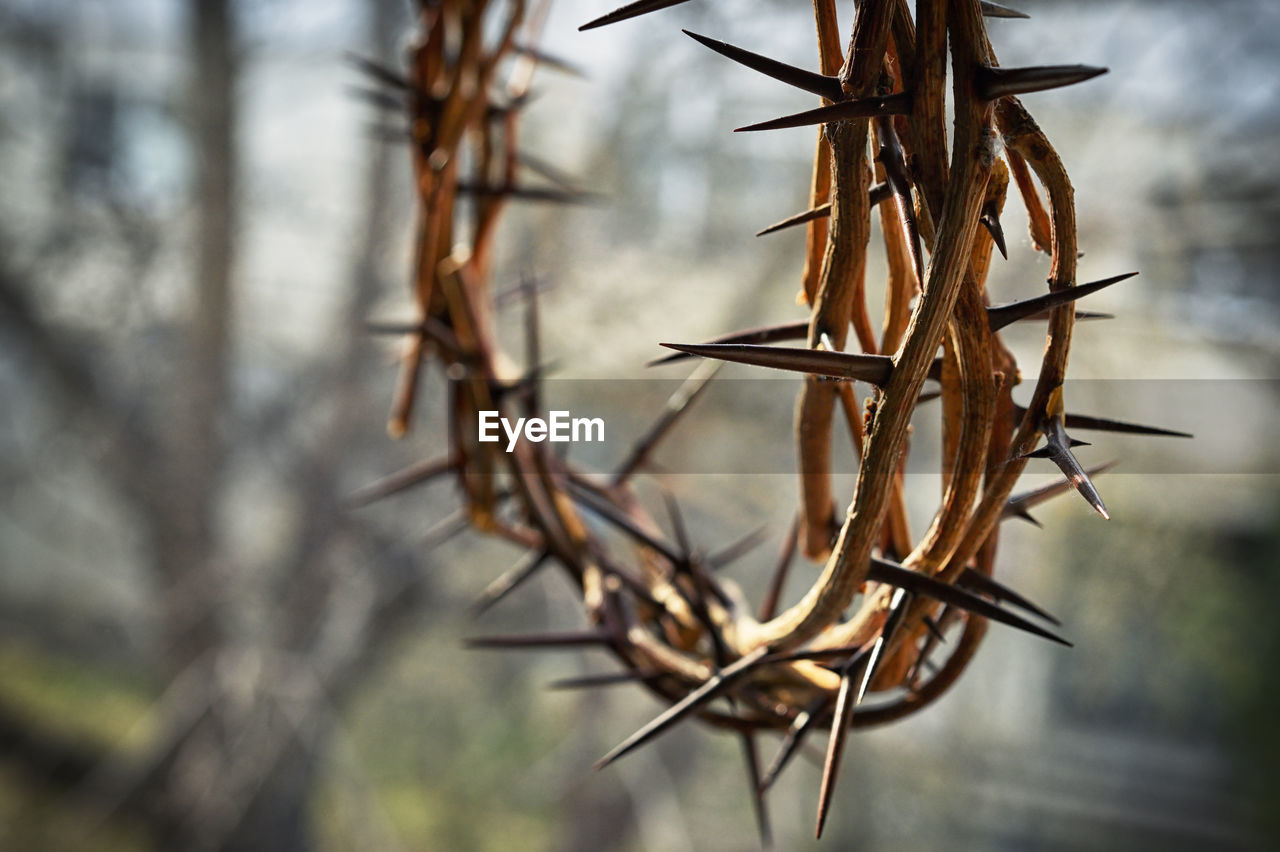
(858, 648)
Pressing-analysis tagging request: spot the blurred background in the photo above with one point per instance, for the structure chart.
(203, 646)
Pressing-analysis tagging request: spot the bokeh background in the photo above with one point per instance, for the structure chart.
(197, 216)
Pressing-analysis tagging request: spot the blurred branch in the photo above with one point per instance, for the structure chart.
(129, 451)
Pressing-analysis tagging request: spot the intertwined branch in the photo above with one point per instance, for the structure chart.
(884, 600)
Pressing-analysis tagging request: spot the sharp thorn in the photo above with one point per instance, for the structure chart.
(874, 369)
(993, 83)
(897, 606)
(712, 688)
(980, 582)
(544, 169)
(995, 10)
(883, 571)
(798, 330)
(934, 630)
(378, 98)
(524, 193)
(631, 10)
(1028, 517)
(898, 104)
(532, 343)
(735, 551)
(1080, 316)
(677, 404)
(415, 474)
(619, 519)
(378, 71)
(508, 581)
(991, 221)
(548, 60)
(878, 194)
(1019, 504)
(1105, 424)
(677, 525)
(752, 756)
(820, 212)
(801, 725)
(846, 703)
(809, 81)
(429, 327)
(1000, 316)
(893, 160)
(1057, 449)
(769, 606)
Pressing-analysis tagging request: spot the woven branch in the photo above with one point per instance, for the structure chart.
(876, 616)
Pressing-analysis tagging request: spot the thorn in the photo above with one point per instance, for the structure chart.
(991, 221)
(508, 581)
(430, 327)
(677, 404)
(709, 690)
(883, 571)
(878, 194)
(798, 330)
(677, 525)
(609, 679)
(735, 551)
(846, 702)
(548, 60)
(378, 71)
(1105, 424)
(992, 83)
(546, 170)
(894, 162)
(769, 606)
(445, 529)
(631, 10)
(752, 757)
(874, 369)
(523, 193)
(532, 342)
(1057, 449)
(897, 607)
(415, 474)
(619, 519)
(379, 98)
(1019, 504)
(934, 630)
(898, 104)
(1000, 316)
(1080, 316)
(809, 81)
(990, 586)
(1028, 517)
(995, 10)
(820, 212)
(526, 287)
(801, 725)
(540, 640)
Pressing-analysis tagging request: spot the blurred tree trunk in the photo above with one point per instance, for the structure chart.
(186, 547)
